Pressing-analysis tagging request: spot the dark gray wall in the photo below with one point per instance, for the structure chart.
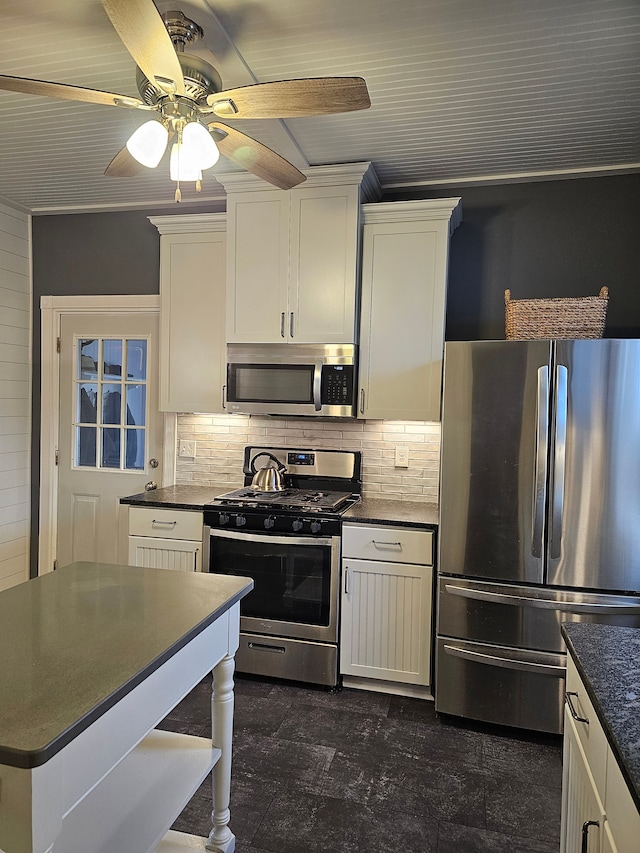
(552, 238)
(546, 239)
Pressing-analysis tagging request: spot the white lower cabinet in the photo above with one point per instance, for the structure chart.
(165, 539)
(387, 598)
(598, 811)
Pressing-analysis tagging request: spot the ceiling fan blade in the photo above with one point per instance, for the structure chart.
(256, 157)
(290, 98)
(145, 36)
(123, 165)
(67, 93)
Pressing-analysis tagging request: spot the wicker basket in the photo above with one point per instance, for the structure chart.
(533, 319)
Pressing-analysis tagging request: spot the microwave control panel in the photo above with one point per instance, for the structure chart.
(337, 384)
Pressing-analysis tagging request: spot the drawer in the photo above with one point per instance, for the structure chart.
(591, 734)
(390, 544)
(165, 523)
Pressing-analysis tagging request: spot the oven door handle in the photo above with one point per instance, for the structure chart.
(269, 538)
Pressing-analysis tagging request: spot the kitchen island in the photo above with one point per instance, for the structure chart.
(94, 656)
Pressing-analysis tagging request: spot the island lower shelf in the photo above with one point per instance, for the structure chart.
(158, 778)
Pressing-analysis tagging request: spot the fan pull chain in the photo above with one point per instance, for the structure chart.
(178, 193)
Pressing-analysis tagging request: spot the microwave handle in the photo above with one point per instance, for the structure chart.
(317, 385)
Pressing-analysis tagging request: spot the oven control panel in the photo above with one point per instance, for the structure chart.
(295, 524)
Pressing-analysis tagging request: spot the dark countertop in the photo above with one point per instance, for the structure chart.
(368, 510)
(394, 512)
(180, 497)
(75, 641)
(608, 659)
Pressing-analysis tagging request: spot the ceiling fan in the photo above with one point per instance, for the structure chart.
(181, 89)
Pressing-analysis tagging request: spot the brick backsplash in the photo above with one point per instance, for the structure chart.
(221, 439)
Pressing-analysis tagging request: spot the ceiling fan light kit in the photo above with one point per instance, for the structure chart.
(148, 143)
(182, 88)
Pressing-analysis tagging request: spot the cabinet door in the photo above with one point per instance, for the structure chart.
(582, 809)
(386, 621)
(178, 554)
(257, 267)
(403, 312)
(323, 262)
(192, 333)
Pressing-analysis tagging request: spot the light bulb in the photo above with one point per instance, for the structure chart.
(148, 143)
(181, 166)
(199, 145)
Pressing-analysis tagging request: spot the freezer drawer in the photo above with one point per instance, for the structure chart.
(507, 686)
(524, 616)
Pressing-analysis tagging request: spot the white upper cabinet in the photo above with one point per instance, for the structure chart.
(192, 311)
(404, 285)
(292, 256)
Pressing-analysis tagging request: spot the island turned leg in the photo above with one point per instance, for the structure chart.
(221, 839)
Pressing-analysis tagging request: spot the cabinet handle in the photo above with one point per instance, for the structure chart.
(387, 544)
(195, 559)
(362, 401)
(162, 524)
(573, 711)
(291, 325)
(585, 833)
(224, 396)
(346, 581)
(282, 325)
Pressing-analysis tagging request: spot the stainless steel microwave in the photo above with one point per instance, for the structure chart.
(292, 379)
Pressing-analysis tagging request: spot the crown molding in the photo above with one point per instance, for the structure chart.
(190, 223)
(436, 209)
(339, 174)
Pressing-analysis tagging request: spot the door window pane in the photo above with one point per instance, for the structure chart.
(111, 404)
(87, 409)
(100, 387)
(110, 448)
(134, 459)
(136, 359)
(136, 404)
(112, 358)
(85, 447)
(88, 358)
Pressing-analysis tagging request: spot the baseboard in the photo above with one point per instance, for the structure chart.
(394, 687)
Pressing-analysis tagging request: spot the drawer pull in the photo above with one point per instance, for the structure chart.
(573, 711)
(585, 833)
(265, 647)
(378, 544)
(163, 524)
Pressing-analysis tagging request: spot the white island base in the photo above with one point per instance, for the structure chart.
(118, 784)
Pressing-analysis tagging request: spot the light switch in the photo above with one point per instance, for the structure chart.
(187, 448)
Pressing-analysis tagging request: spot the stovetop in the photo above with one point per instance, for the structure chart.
(309, 500)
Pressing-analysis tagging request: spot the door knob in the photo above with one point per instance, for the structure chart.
(150, 486)
(154, 463)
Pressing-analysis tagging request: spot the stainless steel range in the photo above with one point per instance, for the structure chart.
(288, 540)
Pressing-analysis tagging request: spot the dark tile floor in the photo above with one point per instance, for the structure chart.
(355, 771)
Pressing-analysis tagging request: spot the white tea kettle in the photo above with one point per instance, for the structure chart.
(268, 478)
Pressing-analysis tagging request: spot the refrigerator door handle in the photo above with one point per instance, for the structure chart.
(540, 476)
(506, 662)
(542, 603)
(559, 457)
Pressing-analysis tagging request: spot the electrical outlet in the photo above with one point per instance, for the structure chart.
(187, 448)
(402, 456)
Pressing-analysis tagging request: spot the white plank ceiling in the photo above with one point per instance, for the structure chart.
(462, 91)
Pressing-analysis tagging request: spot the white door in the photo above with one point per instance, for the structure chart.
(110, 430)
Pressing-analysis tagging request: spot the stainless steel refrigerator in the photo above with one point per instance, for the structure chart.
(539, 518)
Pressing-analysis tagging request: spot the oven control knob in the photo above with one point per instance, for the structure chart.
(223, 518)
(269, 522)
(316, 527)
(297, 525)
(240, 521)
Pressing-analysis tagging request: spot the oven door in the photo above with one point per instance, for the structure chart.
(296, 581)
